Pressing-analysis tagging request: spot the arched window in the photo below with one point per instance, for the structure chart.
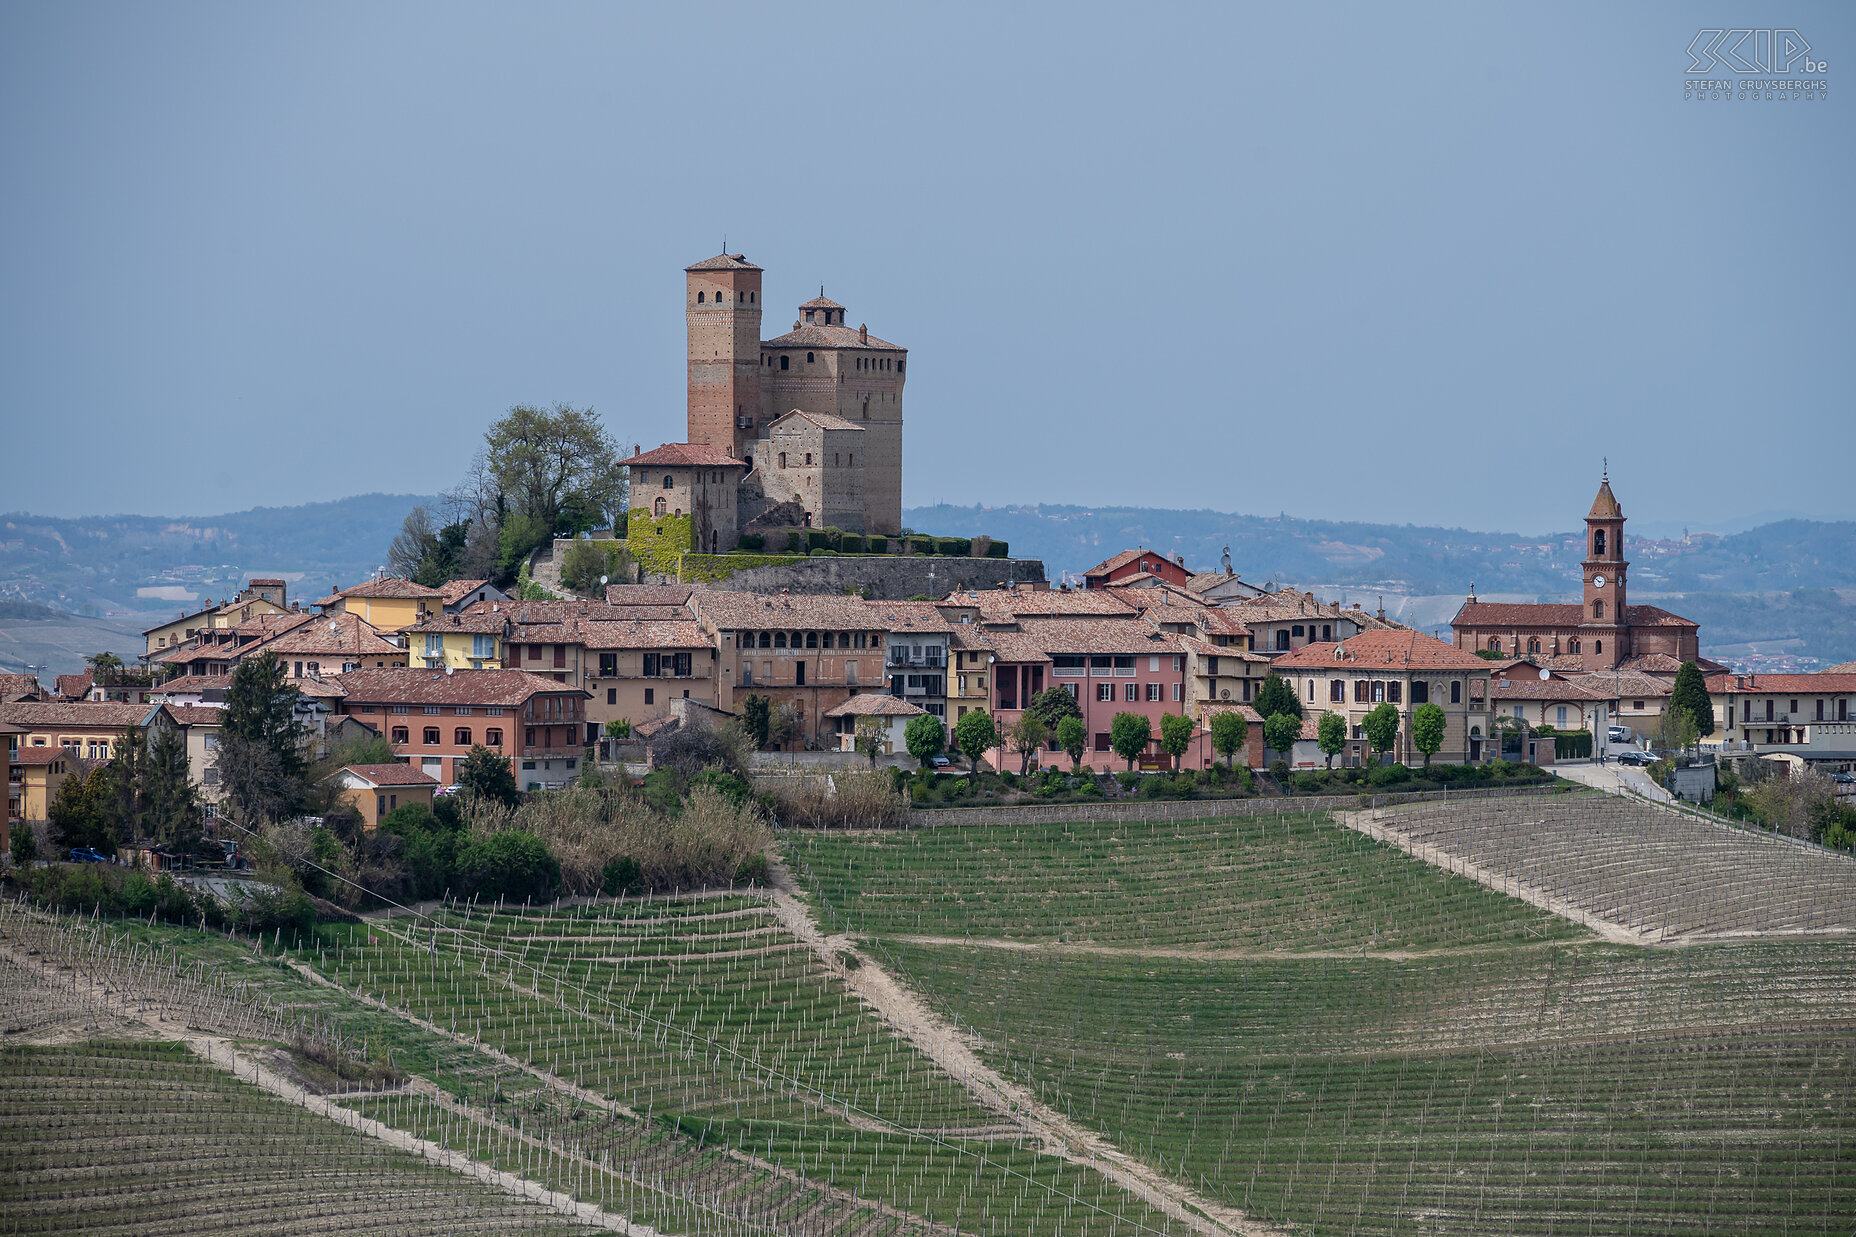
(400, 735)
(462, 737)
(808, 358)
(866, 410)
(1533, 646)
(658, 506)
(669, 480)
(783, 362)
(493, 737)
(1598, 646)
(779, 639)
(1598, 609)
(1495, 644)
(751, 296)
(431, 736)
(699, 298)
(1598, 544)
(1572, 645)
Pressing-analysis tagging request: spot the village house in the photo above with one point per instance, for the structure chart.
(1807, 716)
(376, 790)
(806, 653)
(460, 595)
(259, 597)
(892, 715)
(635, 669)
(34, 775)
(1540, 697)
(917, 652)
(434, 718)
(387, 604)
(85, 728)
(468, 640)
(1404, 669)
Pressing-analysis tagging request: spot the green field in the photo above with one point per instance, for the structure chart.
(1436, 1060)
(1287, 882)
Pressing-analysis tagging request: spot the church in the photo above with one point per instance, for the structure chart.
(1603, 632)
(803, 430)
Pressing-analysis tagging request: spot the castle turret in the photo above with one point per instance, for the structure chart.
(722, 308)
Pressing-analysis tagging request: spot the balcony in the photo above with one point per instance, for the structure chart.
(933, 659)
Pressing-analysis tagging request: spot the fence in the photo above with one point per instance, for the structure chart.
(1201, 809)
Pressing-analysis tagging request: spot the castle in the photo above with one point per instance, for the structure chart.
(1603, 632)
(801, 430)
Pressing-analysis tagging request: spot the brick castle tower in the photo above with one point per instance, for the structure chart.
(722, 309)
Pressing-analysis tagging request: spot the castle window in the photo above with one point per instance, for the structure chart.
(808, 358)
(782, 459)
(808, 457)
(1533, 646)
(657, 508)
(1598, 646)
(899, 364)
(851, 460)
(751, 297)
(1598, 544)
(669, 480)
(779, 639)
(699, 298)
(866, 410)
(783, 362)
(1572, 645)
(808, 315)
(766, 640)
(1598, 609)
(1495, 644)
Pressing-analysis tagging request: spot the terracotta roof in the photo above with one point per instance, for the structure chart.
(1605, 506)
(454, 591)
(1778, 684)
(183, 618)
(1205, 648)
(1116, 561)
(76, 686)
(1848, 667)
(824, 420)
(1016, 646)
(398, 685)
(257, 583)
(1663, 663)
(1003, 604)
(260, 626)
(39, 755)
(473, 620)
(19, 684)
(684, 455)
(1102, 636)
(1398, 650)
(812, 335)
(1621, 683)
(648, 594)
(395, 774)
(659, 634)
(753, 611)
(187, 683)
(556, 611)
(317, 689)
(724, 262)
(194, 714)
(51, 714)
(1555, 614)
(390, 586)
(875, 704)
(909, 616)
(1523, 688)
(821, 301)
(1245, 711)
(330, 635)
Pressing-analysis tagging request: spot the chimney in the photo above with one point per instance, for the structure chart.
(863, 333)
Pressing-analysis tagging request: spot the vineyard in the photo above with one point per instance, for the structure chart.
(1364, 1022)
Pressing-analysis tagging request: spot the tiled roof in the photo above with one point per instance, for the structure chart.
(812, 335)
(648, 594)
(330, 635)
(1249, 714)
(684, 455)
(397, 685)
(39, 755)
(555, 611)
(50, 714)
(1103, 636)
(1398, 650)
(1848, 667)
(821, 301)
(1016, 646)
(753, 611)
(1663, 663)
(183, 618)
(1654, 616)
(76, 686)
(1621, 683)
(395, 774)
(474, 620)
(256, 583)
(260, 626)
(824, 420)
(317, 689)
(663, 634)
(1114, 561)
(1605, 506)
(909, 616)
(19, 684)
(1003, 604)
(195, 714)
(454, 591)
(389, 586)
(1536, 688)
(1776, 684)
(874, 704)
(724, 262)
(1555, 614)
(189, 683)
(1205, 648)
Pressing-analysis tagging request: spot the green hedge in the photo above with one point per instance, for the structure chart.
(953, 546)
(853, 543)
(999, 549)
(750, 541)
(876, 545)
(1572, 745)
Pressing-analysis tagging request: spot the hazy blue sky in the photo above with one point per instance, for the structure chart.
(1409, 263)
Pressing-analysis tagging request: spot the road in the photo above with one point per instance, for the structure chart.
(1615, 778)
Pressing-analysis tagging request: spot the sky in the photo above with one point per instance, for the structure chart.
(1419, 263)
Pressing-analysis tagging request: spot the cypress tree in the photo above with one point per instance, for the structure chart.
(1691, 695)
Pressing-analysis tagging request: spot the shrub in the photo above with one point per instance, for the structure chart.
(750, 541)
(852, 543)
(511, 865)
(867, 800)
(877, 545)
(1279, 769)
(821, 553)
(953, 546)
(1388, 775)
(796, 542)
(999, 549)
(1129, 780)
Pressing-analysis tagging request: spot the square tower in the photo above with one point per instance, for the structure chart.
(1604, 629)
(722, 309)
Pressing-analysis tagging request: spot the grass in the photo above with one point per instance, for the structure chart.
(1263, 883)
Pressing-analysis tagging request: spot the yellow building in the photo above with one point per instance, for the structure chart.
(88, 728)
(41, 771)
(377, 790)
(260, 597)
(471, 641)
(389, 604)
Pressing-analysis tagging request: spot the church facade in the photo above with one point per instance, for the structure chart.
(1603, 631)
(808, 422)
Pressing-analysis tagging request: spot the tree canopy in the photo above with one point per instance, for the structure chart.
(1072, 736)
(1331, 735)
(487, 773)
(1427, 730)
(1690, 694)
(925, 736)
(1230, 731)
(1175, 735)
(1381, 726)
(1028, 734)
(1280, 731)
(1276, 696)
(975, 734)
(1053, 704)
(1128, 736)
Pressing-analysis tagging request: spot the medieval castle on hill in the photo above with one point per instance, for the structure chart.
(802, 430)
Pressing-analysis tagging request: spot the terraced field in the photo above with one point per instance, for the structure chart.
(1450, 1066)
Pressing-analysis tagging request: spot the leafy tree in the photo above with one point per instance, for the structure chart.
(1276, 696)
(1128, 735)
(1175, 736)
(23, 847)
(1230, 732)
(170, 802)
(1677, 730)
(413, 544)
(757, 719)
(1331, 734)
(487, 774)
(1072, 737)
(517, 538)
(975, 734)
(1280, 731)
(1053, 704)
(1028, 735)
(556, 466)
(1381, 726)
(1690, 694)
(587, 561)
(619, 729)
(1427, 730)
(871, 733)
(261, 708)
(783, 725)
(513, 865)
(103, 663)
(256, 785)
(75, 811)
(925, 736)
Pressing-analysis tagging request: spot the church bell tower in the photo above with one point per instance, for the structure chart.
(1604, 631)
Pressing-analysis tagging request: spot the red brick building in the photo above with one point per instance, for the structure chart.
(1130, 563)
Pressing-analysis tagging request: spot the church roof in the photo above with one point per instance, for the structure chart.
(686, 455)
(1556, 614)
(814, 336)
(821, 301)
(724, 262)
(824, 420)
(1605, 506)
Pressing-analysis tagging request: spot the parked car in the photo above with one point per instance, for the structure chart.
(1618, 734)
(1637, 758)
(939, 762)
(83, 854)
